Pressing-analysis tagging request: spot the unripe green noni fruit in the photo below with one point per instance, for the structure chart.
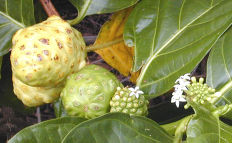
(201, 93)
(87, 93)
(125, 101)
(42, 56)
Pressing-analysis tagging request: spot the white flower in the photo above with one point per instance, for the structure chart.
(177, 98)
(180, 87)
(181, 84)
(135, 91)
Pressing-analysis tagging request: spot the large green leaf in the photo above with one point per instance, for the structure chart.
(14, 14)
(206, 128)
(118, 128)
(219, 65)
(172, 36)
(51, 131)
(90, 7)
(219, 68)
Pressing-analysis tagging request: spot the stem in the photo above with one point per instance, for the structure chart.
(38, 114)
(171, 128)
(75, 21)
(49, 7)
(222, 91)
(181, 129)
(105, 45)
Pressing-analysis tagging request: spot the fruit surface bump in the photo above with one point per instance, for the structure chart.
(87, 93)
(43, 55)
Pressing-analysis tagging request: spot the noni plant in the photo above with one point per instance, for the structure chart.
(174, 54)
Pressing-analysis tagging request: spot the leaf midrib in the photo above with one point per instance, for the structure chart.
(13, 20)
(170, 40)
(81, 125)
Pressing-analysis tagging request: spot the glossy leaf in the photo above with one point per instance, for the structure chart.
(119, 56)
(219, 68)
(14, 14)
(206, 128)
(90, 7)
(118, 128)
(172, 36)
(51, 131)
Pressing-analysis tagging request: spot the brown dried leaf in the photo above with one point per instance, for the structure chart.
(119, 56)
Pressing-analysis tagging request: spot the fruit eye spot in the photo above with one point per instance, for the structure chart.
(68, 31)
(46, 52)
(56, 58)
(22, 47)
(44, 41)
(59, 45)
(39, 57)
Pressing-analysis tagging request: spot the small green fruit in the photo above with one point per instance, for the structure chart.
(87, 93)
(124, 101)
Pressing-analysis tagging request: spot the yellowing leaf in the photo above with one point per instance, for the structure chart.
(119, 56)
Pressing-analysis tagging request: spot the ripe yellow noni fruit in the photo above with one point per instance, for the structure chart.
(42, 56)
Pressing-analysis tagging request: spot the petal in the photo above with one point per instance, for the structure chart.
(140, 92)
(131, 89)
(136, 88)
(131, 94)
(177, 93)
(137, 95)
(182, 99)
(173, 99)
(177, 104)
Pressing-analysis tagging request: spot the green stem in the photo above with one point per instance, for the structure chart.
(181, 129)
(222, 91)
(74, 21)
(172, 127)
(104, 45)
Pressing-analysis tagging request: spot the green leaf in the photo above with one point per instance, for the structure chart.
(219, 68)
(51, 131)
(172, 36)
(14, 14)
(204, 127)
(90, 7)
(118, 128)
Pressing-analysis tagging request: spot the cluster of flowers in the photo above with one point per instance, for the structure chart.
(181, 85)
